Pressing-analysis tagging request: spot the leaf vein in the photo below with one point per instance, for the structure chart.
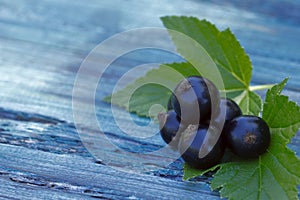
(231, 72)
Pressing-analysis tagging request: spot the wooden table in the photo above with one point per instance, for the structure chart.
(42, 45)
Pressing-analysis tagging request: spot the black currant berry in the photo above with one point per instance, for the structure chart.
(170, 126)
(193, 99)
(190, 143)
(228, 110)
(248, 136)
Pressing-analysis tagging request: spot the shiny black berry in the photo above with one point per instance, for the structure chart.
(194, 98)
(248, 136)
(228, 110)
(190, 143)
(170, 126)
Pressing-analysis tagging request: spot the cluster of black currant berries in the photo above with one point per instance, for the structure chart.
(196, 110)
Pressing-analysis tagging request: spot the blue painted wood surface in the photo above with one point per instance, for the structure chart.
(42, 44)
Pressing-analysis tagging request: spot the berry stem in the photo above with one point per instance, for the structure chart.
(260, 87)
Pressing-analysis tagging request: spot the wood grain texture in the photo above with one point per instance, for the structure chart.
(42, 44)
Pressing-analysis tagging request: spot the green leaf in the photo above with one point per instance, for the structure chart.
(190, 172)
(282, 115)
(152, 89)
(276, 174)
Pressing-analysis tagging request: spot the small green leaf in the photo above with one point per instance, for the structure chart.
(190, 172)
(275, 90)
(276, 174)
